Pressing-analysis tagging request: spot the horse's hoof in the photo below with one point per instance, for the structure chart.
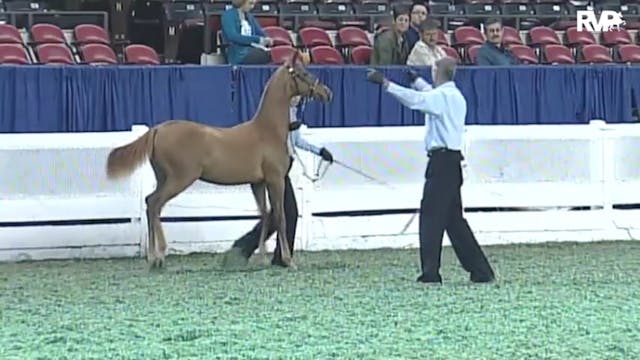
(233, 259)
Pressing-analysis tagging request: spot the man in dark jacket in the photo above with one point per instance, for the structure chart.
(391, 47)
(493, 52)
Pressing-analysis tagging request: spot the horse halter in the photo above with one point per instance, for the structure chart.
(296, 76)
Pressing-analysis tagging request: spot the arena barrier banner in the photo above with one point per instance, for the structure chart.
(524, 183)
(112, 98)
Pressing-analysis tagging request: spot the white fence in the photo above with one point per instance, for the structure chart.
(55, 201)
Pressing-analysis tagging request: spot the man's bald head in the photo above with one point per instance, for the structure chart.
(445, 70)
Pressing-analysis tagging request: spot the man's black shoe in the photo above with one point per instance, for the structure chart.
(429, 280)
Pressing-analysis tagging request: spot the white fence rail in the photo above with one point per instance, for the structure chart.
(55, 201)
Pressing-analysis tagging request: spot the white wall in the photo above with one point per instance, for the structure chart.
(543, 170)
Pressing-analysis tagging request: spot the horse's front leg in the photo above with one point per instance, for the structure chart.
(259, 193)
(276, 198)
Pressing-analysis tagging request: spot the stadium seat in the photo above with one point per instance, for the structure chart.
(14, 54)
(612, 38)
(326, 55)
(511, 36)
(524, 54)
(472, 54)
(467, 35)
(88, 33)
(579, 38)
(10, 34)
(442, 38)
(452, 53)
(47, 33)
(361, 55)
(595, 53)
(141, 55)
(543, 35)
(558, 54)
(365, 8)
(629, 53)
(98, 54)
(281, 53)
(279, 35)
(314, 36)
(519, 8)
(54, 53)
(353, 36)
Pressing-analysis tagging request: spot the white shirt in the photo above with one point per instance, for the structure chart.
(445, 110)
(245, 28)
(425, 55)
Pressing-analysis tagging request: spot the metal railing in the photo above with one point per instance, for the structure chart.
(15, 18)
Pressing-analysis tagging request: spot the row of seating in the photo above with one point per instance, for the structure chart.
(47, 44)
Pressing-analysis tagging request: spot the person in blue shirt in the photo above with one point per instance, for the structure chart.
(243, 248)
(445, 110)
(492, 52)
(244, 35)
(419, 14)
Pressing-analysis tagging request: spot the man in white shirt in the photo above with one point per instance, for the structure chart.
(426, 51)
(445, 111)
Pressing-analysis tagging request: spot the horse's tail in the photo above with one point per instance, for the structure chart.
(125, 159)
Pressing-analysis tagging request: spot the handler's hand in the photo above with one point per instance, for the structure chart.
(375, 77)
(293, 126)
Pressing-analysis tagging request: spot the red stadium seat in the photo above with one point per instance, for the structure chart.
(361, 55)
(524, 54)
(88, 33)
(326, 55)
(47, 33)
(467, 35)
(558, 54)
(281, 53)
(313, 36)
(9, 34)
(279, 35)
(543, 35)
(596, 53)
(579, 38)
(353, 36)
(511, 36)
(611, 38)
(98, 54)
(14, 54)
(629, 53)
(141, 55)
(451, 52)
(442, 38)
(472, 54)
(54, 54)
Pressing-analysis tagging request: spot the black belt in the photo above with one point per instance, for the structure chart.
(438, 150)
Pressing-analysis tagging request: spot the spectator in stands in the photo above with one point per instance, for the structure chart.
(244, 35)
(419, 13)
(493, 52)
(390, 46)
(426, 51)
(243, 248)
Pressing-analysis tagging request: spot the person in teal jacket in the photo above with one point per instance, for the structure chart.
(242, 33)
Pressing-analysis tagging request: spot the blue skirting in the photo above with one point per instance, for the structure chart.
(86, 98)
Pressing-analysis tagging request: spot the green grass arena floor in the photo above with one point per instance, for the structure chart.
(552, 301)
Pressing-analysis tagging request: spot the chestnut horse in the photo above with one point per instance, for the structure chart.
(254, 152)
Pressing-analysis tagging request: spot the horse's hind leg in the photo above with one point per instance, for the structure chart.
(276, 198)
(151, 243)
(259, 193)
(173, 186)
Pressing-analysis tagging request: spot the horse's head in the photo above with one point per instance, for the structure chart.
(303, 83)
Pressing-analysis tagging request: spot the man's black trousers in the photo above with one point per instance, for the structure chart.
(440, 210)
(249, 242)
